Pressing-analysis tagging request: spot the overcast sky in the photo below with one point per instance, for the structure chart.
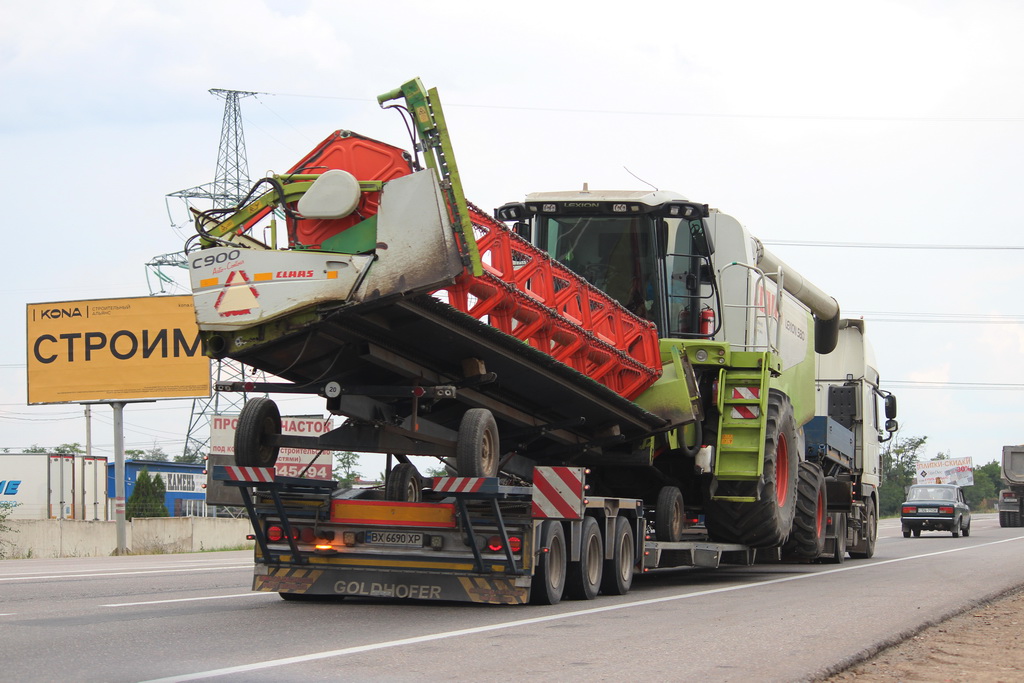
(874, 125)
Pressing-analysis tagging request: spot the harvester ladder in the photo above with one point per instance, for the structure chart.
(742, 407)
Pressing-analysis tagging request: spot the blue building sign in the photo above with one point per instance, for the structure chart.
(183, 481)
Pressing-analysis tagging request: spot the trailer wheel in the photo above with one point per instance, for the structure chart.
(765, 523)
(669, 515)
(617, 578)
(404, 484)
(866, 547)
(476, 453)
(807, 537)
(258, 423)
(583, 580)
(549, 578)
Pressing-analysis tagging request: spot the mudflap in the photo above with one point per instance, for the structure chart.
(393, 584)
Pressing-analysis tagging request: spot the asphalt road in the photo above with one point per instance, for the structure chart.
(192, 617)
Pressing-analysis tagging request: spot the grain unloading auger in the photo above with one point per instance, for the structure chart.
(431, 327)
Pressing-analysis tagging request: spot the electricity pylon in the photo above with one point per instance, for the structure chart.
(229, 187)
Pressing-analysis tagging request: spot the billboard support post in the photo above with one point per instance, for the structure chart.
(122, 534)
(119, 483)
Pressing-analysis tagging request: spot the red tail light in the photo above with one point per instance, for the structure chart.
(275, 534)
(495, 545)
(909, 510)
(946, 511)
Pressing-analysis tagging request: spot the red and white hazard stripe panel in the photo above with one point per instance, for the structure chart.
(258, 474)
(464, 484)
(753, 393)
(745, 412)
(558, 492)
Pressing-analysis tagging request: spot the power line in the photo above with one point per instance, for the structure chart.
(888, 245)
(707, 115)
(982, 386)
(946, 318)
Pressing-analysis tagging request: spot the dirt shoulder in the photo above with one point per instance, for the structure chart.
(982, 645)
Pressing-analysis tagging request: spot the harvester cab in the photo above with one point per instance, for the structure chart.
(648, 250)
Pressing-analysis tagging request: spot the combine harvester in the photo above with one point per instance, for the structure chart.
(617, 382)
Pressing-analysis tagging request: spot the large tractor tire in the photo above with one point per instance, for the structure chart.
(807, 537)
(765, 523)
(258, 423)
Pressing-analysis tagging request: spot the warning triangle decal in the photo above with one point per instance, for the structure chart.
(237, 298)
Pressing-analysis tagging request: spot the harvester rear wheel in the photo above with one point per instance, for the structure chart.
(617, 578)
(765, 523)
(258, 422)
(549, 579)
(404, 484)
(583, 580)
(807, 537)
(476, 453)
(669, 517)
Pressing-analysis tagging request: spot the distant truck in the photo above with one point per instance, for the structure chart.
(1011, 499)
(53, 485)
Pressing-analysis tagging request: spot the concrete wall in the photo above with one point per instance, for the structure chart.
(144, 536)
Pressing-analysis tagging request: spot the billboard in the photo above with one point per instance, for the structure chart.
(291, 462)
(115, 349)
(959, 471)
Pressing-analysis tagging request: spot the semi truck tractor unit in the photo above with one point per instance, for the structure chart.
(1011, 499)
(611, 381)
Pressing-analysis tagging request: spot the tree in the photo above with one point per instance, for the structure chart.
(6, 508)
(193, 457)
(64, 449)
(987, 482)
(147, 499)
(344, 468)
(899, 460)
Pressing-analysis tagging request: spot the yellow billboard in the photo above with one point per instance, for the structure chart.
(115, 350)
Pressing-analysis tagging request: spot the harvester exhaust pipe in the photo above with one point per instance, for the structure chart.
(824, 307)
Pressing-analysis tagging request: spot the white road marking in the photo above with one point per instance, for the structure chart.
(209, 597)
(33, 577)
(257, 666)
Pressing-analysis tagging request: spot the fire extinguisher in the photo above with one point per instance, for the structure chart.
(707, 322)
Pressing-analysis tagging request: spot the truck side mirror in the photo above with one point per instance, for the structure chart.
(523, 230)
(890, 407)
(892, 426)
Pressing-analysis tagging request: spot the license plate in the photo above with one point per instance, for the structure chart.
(393, 538)
(927, 511)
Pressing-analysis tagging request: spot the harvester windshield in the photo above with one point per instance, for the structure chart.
(648, 263)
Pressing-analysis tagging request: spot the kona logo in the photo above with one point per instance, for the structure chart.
(57, 313)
